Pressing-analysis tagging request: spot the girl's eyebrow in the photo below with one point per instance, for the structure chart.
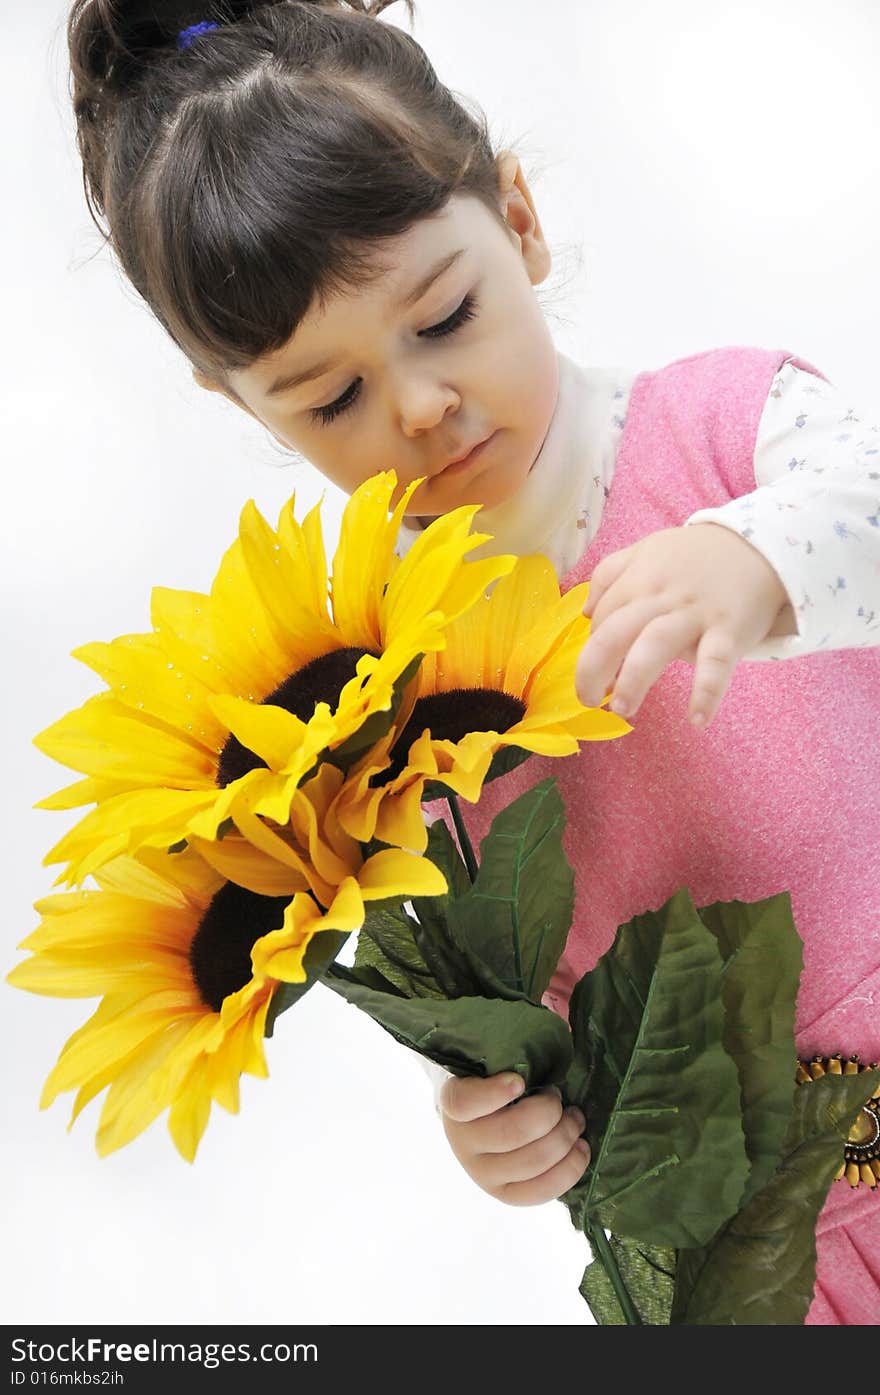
(427, 281)
(292, 380)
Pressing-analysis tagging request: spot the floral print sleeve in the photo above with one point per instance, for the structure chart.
(815, 515)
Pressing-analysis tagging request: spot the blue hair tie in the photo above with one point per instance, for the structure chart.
(187, 37)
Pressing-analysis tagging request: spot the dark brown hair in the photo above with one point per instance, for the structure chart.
(257, 170)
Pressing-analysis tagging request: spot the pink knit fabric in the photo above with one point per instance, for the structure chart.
(782, 792)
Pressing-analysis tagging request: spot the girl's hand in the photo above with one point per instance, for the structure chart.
(523, 1154)
(699, 593)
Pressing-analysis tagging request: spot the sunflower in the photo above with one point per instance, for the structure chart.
(188, 964)
(320, 859)
(242, 691)
(504, 686)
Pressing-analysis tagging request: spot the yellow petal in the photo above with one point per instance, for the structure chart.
(393, 872)
(401, 821)
(240, 862)
(106, 739)
(154, 875)
(249, 650)
(280, 576)
(183, 620)
(363, 561)
(272, 733)
(270, 843)
(83, 792)
(143, 677)
(188, 1117)
(87, 1053)
(280, 953)
(121, 823)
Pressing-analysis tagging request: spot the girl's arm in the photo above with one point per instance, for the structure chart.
(797, 557)
(815, 515)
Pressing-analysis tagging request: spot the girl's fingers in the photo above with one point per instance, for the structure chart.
(664, 638)
(508, 1130)
(464, 1098)
(605, 650)
(551, 1184)
(717, 655)
(497, 1171)
(605, 575)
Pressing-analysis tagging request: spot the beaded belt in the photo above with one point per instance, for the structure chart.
(861, 1151)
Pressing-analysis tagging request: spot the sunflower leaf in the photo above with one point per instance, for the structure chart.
(376, 725)
(470, 1036)
(648, 1271)
(387, 942)
(450, 964)
(450, 969)
(763, 958)
(516, 916)
(368, 977)
(319, 956)
(760, 1268)
(660, 1093)
(444, 854)
(505, 759)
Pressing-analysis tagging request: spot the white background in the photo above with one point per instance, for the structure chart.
(706, 175)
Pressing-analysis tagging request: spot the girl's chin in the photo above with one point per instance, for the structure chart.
(488, 491)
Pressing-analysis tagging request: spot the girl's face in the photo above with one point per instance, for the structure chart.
(446, 348)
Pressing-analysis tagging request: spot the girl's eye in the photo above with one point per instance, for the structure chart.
(466, 311)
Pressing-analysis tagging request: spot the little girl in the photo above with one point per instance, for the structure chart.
(330, 239)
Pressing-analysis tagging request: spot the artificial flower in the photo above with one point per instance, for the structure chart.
(321, 859)
(242, 691)
(166, 943)
(505, 680)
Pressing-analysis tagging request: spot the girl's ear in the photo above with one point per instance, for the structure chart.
(518, 208)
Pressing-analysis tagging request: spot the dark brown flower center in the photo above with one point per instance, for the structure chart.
(451, 716)
(220, 954)
(322, 680)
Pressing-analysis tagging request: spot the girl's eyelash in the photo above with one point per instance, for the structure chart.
(466, 311)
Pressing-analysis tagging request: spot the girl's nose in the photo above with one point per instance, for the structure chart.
(423, 402)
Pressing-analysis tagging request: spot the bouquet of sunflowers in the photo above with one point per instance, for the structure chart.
(258, 766)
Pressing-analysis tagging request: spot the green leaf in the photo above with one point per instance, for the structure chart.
(761, 1266)
(660, 1093)
(376, 725)
(516, 917)
(322, 949)
(386, 942)
(470, 1036)
(368, 977)
(449, 962)
(442, 851)
(648, 1271)
(763, 955)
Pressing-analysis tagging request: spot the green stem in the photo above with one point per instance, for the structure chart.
(464, 841)
(605, 1255)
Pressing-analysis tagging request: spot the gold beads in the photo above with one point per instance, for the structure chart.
(861, 1151)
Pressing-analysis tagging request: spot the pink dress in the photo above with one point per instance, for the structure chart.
(782, 792)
